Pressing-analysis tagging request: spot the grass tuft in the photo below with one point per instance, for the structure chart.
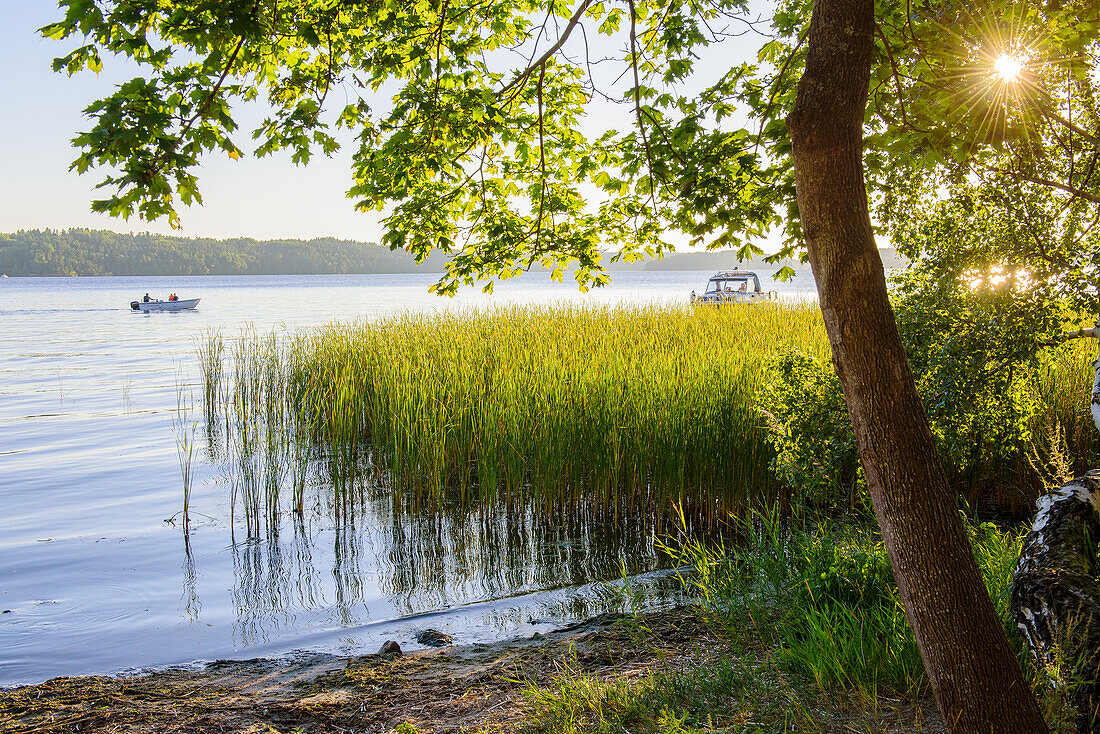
(719, 695)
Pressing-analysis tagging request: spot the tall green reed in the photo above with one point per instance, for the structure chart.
(612, 412)
(249, 428)
(211, 352)
(184, 430)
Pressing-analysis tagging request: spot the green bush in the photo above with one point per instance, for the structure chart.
(974, 357)
(990, 402)
(816, 452)
(823, 598)
(845, 626)
(850, 570)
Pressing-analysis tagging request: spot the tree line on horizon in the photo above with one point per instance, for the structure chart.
(89, 252)
(101, 252)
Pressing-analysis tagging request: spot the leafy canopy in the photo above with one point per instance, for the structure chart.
(486, 149)
(516, 132)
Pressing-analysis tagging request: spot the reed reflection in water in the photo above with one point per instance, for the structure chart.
(388, 565)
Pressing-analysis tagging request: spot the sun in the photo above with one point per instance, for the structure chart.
(1008, 67)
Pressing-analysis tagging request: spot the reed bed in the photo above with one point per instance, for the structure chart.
(568, 412)
(609, 412)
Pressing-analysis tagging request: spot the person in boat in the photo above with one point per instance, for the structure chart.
(173, 297)
(744, 286)
(147, 298)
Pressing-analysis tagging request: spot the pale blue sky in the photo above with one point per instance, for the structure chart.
(269, 198)
(42, 111)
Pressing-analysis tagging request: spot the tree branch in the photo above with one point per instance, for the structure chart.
(213, 92)
(775, 87)
(638, 105)
(542, 161)
(1079, 193)
(1050, 114)
(562, 38)
(897, 80)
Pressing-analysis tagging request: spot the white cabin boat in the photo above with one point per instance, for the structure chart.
(159, 305)
(733, 286)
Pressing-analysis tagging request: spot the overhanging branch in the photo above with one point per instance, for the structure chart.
(541, 61)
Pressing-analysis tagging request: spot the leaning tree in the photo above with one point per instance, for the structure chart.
(520, 132)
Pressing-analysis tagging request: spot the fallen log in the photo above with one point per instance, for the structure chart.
(1056, 596)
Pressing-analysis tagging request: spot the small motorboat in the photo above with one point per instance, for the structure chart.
(733, 286)
(159, 305)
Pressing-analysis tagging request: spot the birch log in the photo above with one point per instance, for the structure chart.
(1055, 594)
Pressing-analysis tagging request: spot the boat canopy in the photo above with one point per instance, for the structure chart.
(734, 280)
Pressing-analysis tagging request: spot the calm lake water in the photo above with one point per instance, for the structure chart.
(96, 572)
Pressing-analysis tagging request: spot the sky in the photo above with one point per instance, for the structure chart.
(42, 111)
(264, 199)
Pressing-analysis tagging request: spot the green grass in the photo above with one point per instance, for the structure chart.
(816, 639)
(607, 412)
(822, 599)
(721, 695)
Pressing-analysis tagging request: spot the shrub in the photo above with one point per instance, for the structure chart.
(824, 598)
(816, 452)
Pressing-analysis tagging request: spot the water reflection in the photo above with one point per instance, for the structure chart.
(262, 593)
(381, 564)
(333, 541)
(306, 584)
(189, 601)
(346, 574)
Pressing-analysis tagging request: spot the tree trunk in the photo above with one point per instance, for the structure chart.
(977, 680)
(1055, 594)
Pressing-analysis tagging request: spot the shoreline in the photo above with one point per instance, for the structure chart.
(459, 688)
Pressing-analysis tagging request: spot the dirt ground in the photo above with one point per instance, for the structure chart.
(452, 689)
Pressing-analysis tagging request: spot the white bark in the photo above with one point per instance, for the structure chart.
(1094, 332)
(1055, 595)
(1095, 406)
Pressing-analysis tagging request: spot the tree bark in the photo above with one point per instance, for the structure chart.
(977, 681)
(1055, 594)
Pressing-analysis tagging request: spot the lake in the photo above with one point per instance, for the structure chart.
(96, 572)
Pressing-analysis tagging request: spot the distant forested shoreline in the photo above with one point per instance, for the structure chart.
(46, 252)
(101, 252)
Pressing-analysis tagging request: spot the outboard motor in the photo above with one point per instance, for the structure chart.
(134, 305)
